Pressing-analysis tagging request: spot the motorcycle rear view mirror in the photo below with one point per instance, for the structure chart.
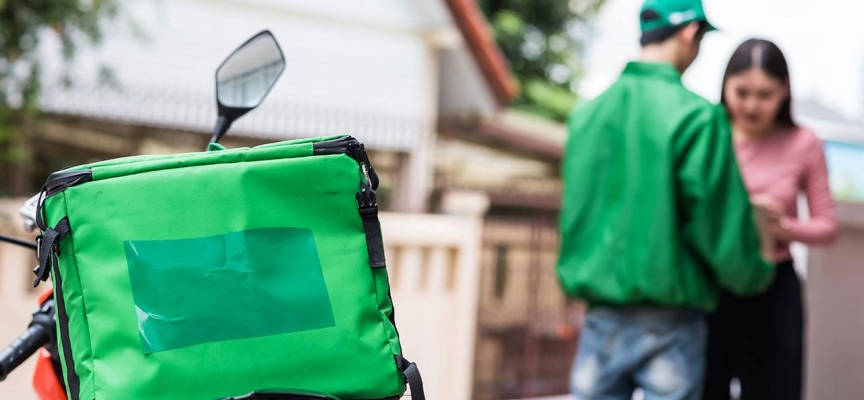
(245, 78)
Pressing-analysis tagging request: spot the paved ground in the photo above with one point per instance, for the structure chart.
(636, 396)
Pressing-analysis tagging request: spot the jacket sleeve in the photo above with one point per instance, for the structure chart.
(718, 222)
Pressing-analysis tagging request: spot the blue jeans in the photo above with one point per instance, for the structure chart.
(661, 351)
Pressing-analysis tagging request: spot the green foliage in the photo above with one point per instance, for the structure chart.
(22, 24)
(847, 191)
(542, 40)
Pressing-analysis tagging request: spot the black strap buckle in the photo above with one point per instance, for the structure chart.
(38, 246)
(48, 249)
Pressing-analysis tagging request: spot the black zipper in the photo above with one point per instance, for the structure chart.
(57, 183)
(333, 146)
(367, 200)
(367, 203)
(353, 148)
(65, 342)
(62, 180)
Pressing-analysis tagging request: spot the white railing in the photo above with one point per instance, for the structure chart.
(433, 262)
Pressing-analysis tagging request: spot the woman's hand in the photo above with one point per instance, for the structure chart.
(775, 220)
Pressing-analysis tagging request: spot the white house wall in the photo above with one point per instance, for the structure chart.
(463, 90)
(364, 79)
(414, 16)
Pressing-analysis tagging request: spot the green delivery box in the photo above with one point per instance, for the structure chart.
(223, 273)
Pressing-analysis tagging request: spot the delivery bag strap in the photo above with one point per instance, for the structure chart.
(412, 377)
(368, 207)
(48, 249)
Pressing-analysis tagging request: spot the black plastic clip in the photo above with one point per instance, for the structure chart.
(48, 250)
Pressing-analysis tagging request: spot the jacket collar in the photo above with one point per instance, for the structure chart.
(656, 70)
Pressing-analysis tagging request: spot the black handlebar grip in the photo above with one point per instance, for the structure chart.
(23, 347)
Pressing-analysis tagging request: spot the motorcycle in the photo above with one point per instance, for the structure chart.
(243, 80)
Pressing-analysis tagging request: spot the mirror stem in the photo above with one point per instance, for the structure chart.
(222, 126)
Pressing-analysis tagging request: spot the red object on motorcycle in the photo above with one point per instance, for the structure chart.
(45, 381)
(45, 296)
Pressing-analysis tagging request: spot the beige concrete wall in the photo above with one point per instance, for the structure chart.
(835, 313)
(17, 298)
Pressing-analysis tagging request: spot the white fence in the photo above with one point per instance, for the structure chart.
(434, 275)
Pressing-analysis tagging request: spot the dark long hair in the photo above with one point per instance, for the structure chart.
(765, 55)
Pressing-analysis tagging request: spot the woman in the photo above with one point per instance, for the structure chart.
(759, 340)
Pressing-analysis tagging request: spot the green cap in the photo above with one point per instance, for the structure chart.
(658, 14)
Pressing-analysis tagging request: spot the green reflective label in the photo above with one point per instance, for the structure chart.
(247, 284)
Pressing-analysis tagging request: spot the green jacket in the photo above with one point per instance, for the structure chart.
(654, 209)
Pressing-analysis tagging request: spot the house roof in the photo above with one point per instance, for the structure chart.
(481, 40)
(515, 132)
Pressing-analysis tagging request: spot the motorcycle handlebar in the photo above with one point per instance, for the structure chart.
(23, 347)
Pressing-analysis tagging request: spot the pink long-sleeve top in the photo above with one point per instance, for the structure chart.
(782, 165)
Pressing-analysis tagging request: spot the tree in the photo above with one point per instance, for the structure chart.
(542, 40)
(22, 24)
